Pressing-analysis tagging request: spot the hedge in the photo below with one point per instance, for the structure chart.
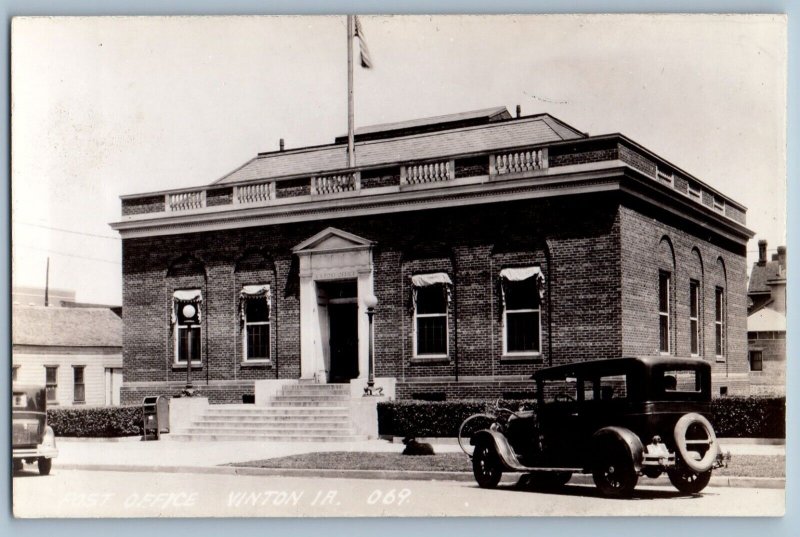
(732, 417)
(434, 418)
(96, 422)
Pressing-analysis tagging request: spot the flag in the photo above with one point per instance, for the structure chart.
(366, 61)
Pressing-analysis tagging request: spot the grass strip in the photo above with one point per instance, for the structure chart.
(739, 465)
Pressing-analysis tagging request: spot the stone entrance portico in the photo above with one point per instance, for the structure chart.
(331, 255)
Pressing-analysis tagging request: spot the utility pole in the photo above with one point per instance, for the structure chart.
(47, 284)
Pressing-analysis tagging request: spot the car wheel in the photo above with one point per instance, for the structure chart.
(45, 465)
(687, 480)
(614, 474)
(486, 466)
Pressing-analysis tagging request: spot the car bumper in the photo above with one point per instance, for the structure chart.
(39, 451)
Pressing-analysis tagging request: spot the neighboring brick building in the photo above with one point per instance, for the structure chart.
(766, 323)
(495, 246)
(75, 352)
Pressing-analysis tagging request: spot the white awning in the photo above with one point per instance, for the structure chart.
(182, 297)
(436, 278)
(193, 295)
(519, 274)
(255, 290)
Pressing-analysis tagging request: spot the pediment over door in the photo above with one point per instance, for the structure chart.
(332, 239)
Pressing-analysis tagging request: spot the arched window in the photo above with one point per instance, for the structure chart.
(720, 312)
(666, 270)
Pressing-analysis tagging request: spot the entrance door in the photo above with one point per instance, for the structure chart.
(343, 342)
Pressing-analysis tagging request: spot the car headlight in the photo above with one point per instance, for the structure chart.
(49, 439)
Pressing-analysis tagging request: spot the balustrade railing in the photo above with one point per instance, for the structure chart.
(331, 184)
(255, 193)
(520, 161)
(430, 172)
(186, 201)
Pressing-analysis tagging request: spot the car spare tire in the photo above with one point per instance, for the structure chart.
(693, 432)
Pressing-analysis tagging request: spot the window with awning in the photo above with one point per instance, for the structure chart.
(431, 302)
(188, 324)
(254, 312)
(522, 289)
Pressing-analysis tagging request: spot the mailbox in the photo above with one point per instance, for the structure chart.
(155, 417)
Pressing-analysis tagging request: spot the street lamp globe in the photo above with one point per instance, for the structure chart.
(188, 311)
(370, 301)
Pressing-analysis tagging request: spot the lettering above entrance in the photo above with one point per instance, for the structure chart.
(333, 254)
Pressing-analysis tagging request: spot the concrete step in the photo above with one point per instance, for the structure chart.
(344, 388)
(284, 425)
(315, 397)
(249, 437)
(280, 410)
(272, 431)
(313, 403)
(283, 419)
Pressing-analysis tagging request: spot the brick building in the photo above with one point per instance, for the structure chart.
(766, 323)
(495, 245)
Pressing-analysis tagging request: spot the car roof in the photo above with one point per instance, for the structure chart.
(616, 364)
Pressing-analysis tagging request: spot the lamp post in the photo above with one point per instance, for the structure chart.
(370, 302)
(189, 311)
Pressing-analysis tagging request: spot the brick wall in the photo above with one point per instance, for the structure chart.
(643, 240)
(771, 380)
(591, 253)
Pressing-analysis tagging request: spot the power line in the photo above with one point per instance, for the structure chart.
(110, 237)
(68, 254)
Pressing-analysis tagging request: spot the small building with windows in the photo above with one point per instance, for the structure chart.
(766, 323)
(495, 246)
(76, 353)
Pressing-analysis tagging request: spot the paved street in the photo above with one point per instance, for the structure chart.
(75, 493)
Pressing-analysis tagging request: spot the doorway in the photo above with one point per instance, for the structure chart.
(343, 341)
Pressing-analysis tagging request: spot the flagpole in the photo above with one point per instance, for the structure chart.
(351, 160)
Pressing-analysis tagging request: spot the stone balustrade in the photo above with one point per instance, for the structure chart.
(520, 161)
(491, 165)
(332, 184)
(255, 193)
(430, 172)
(186, 201)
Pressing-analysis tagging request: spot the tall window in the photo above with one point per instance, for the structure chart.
(79, 390)
(663, 311)
(694, 317)
(719, 321)
(430, 314)
(756, 361)
(255, 317)
(521, 289)
(14, 373)
(51, 383)
(187, 316)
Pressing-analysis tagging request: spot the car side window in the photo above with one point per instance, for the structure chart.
(612, 387)
(560, 390)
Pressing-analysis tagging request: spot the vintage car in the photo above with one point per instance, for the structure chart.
(31, 438)
(616, 419)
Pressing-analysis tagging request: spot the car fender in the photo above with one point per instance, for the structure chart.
(503, 449)
(619, 436)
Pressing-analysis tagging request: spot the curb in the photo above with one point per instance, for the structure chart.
(400, 475)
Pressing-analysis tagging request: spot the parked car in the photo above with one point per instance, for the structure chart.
(31, 438)
(616, 419)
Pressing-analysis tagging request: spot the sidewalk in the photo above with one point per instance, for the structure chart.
(133, 455)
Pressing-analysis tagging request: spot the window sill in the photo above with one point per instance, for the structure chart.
(720, 359)
(256, 364)
(79, 402)
(196, 366)
(529, 357)
(434, 359)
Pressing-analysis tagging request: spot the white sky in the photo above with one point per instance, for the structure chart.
(109, 106)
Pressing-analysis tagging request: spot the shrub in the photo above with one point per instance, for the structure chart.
(96, 422)
(435, 418)
(749, 417)
(737, 417)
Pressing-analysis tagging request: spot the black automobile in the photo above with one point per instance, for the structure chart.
(31, 438)
(616, 419)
